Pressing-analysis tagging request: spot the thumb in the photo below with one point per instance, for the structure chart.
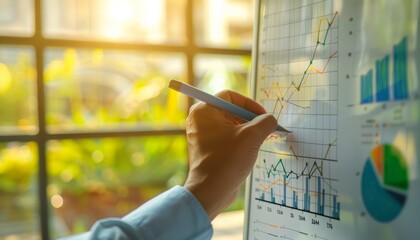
(261, 126)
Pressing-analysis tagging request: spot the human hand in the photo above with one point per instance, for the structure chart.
(223, 149)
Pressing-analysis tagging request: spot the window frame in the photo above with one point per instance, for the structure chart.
(39, 43)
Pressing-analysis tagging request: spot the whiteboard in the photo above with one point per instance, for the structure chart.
(343, 76)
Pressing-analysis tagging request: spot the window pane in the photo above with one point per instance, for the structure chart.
(214, 73)
(96, 178)
(95, 89)
(224, 23)
(19, 217)
(18, 111)
(157, 21)
(16, 17)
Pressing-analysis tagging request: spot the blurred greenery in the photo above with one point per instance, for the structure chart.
(112, 89)
(18, 165)
(18, 161)
(107, 163)
(97, 178)
(17, 89)
(215, 73)
(96, 90)
(18, 185)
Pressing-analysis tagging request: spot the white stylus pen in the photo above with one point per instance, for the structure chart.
(216, 102)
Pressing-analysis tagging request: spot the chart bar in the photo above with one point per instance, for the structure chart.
(295, 200)
(400, 70)
(336, 207)
(284, 190)
(321, 198)
(323, 201)
(273, 199)
(366, 87)
(382, 79)
(306, 200)
(337, 215)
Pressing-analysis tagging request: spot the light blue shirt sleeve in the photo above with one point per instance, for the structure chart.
(175, 214)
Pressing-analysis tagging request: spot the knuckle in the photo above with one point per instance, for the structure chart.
(195, 105)
(196, 110)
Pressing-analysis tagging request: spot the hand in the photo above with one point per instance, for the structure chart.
(223, 149)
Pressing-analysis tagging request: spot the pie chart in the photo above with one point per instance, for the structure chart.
(385, 183)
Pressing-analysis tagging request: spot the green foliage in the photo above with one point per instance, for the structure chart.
(17, 166)
(84, 91)
(107, 163)
(17, 91)
(93, 89)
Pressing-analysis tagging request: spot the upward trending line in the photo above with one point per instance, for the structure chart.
(318, 42)
(321, 40)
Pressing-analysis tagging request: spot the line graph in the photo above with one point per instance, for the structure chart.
(272, 170)
(284, 98)
(284, 177)
(298, 72)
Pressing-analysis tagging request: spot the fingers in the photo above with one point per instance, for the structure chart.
(203, 115)
(241, 101)
(194, 106)
(230, 96)
(261, 127)
(202, 109)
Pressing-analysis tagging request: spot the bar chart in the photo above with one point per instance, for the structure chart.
(283, 189)
(388, 80)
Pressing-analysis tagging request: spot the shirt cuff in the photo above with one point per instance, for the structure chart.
(174, 214)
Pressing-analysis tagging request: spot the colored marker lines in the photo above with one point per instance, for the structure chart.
(282, 99)
(310, 195)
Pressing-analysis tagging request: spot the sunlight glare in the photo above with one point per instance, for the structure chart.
(119, 15)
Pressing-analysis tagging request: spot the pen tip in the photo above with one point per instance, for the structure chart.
(282, 129)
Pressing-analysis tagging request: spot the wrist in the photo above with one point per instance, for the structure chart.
(207, 197)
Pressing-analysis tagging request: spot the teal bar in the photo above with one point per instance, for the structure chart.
(400, 70)
(382, 79)
(366, 88)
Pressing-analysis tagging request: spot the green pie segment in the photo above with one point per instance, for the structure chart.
(390, 166)
(396, 172)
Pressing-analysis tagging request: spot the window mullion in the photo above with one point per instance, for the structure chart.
(41, 140)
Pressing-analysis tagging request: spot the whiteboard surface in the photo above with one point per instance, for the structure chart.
(343, 76)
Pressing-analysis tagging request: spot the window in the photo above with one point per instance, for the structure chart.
(88, 127)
